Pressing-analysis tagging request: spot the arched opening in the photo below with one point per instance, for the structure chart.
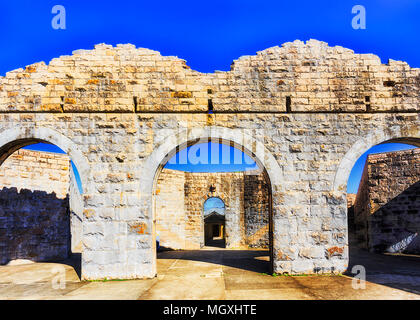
(206, 170)
(214, 222)
(40, 204)
(383, 198)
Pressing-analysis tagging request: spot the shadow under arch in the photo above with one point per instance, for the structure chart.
(173, 144)
(11, 140)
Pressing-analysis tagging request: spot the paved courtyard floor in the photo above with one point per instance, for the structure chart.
(214, 273)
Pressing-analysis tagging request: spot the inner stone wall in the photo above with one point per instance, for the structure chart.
(170, 209)
(34, 206)
(387, 205)
(179, 201)
(37, 171)
(256, 203)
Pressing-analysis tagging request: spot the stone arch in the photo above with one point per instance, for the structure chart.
(218, 195)
(396, 134)
(389, 135)
(15, 138)
(18, 137)
(234, 228)
(171, 143)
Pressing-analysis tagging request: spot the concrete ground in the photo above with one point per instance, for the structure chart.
(214, 273)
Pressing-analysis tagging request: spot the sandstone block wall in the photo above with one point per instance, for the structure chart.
(35, 207)
(306, 111)
(256, 211)
(180, 208)
(170, 209)
(228, 186)
(387, 206)
(297, 76)
(37, 171)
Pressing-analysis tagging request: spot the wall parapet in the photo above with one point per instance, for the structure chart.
(296, 77)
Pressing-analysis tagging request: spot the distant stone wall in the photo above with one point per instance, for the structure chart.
(228, 186)
(34, 206)
(37, 170)
(351, 198)
(256, 202)
(170, 213)
(179, 208)
(387, 206)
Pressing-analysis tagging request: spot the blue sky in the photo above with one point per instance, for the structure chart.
(230, 163)
(211, 157)
(214, 204)
(209, 35)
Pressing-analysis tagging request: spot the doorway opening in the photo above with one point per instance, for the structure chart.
(214, 223)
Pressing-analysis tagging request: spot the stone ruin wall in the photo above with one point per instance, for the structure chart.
(228, 186)
(169, 207)
(387, 206)
(34, 206)
(313, 108)
(35, 223)
(296, 77)
(37, 171)
(257, 208)
(179, 201)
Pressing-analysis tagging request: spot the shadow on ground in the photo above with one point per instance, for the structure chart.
(216, 243)
(395, 271)
(210, 274)
(248, 260)
(75, 261)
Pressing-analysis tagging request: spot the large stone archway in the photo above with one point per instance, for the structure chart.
(173, 143)
(396, 134)
(47, 212)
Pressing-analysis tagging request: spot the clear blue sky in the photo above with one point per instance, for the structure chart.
(211, 157)
(209, 35)
(214, 204)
